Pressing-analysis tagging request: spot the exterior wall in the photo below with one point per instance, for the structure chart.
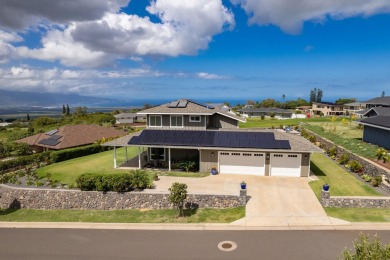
(220, 121)
(27, 198)
(208, 159)
(187, 125)
(377, 136)
(327, 109)
(125, 120)
(180, 154)
(353, 202)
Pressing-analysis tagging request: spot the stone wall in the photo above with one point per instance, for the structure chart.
(27, 198)
(369, 168)
(328, 201)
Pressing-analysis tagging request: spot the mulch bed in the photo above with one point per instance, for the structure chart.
(380, 162)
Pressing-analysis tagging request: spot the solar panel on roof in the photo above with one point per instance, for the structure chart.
(52, 132)
(182, 104)
(55, 137)
(173, 104)
(49, 142)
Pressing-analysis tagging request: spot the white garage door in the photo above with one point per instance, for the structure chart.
(242, 163)
(285, 164)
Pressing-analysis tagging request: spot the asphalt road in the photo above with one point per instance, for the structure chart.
(138, 244)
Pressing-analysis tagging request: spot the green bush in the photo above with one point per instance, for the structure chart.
(356, 166)
(366, 249)
(366, 177)
(22, 161)
(380, 153)
(140, 179)
(312, 138)
(344, 159)
(67, 154)
(119, 182)
(376, 181)
(332, 151)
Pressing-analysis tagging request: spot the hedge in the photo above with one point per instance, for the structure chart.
(119, 182)
(71, 153)
(22, 161)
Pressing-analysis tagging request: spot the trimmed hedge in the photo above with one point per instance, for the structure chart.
(119, 182)
(71, 153)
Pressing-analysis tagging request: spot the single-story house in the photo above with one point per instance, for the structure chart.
(190, 132)
(129, 118)
(377, 126)
(70, 136)
(266, 111)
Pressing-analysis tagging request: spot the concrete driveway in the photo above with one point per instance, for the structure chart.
(274, 201)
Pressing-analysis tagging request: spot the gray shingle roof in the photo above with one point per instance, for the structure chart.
(379, 100)
(381, 111)
(382, 121)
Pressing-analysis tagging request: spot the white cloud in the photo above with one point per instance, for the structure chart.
(309, 48)
(204, 75)
(289, 15)
(186, 26)
(20, 14)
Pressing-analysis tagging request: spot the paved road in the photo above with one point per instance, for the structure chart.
(138, 244)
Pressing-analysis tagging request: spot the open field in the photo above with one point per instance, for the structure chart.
(124, 216)
(272, 122)
(341, 182)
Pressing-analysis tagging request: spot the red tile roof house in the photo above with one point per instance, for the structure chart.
(187, 129)
(70, 136)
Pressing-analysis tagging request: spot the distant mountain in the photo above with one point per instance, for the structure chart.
(12, 99)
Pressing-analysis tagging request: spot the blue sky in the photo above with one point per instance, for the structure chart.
(210, 50)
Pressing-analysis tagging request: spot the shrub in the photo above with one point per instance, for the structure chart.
(344, 158)
(376, 181)
(140, 179)
(119, 182)
(366, 249)
(332, 151)
(178, 195)
(22, 161)
(312, 138)
(67, 154)
(380, 153)
(366, 177)
(356, 166)
(262, 117)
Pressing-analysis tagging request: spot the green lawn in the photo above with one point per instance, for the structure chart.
(272, 122)
(342, 183)
(67, 171)
(124, 216)
(359, 214)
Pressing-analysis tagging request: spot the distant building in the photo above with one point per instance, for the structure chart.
(129, 118)
(378, 102)
(352, 108)
(266, 111)
(326, 109)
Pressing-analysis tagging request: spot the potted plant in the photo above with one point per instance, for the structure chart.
(325, 187)
(243, 185)
(214, 170)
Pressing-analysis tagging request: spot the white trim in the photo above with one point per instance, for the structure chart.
(182, 121)
(180, 113)
(155, 125)
(195, 121)
(238, 119)
(375, 126)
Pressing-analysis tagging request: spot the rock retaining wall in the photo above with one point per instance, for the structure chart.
(27, 198)
(369, 168)
(353, 202)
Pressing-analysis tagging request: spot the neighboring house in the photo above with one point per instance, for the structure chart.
(378, 102)
(266, 111)
(377, 127)
(70, 136)
(186, 129)
(129, 118)
(326, 109)
(352, 108)
(304, 109)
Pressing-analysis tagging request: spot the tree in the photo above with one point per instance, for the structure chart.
(80, 111)
(67, 110)
(269, 102)
(342, 101)
(383, 94)
(283, 96)
(178, 196)
(63, 110)
(316, 95)
(28, 117)
(319, 95)
(146, 106)
(367, 249)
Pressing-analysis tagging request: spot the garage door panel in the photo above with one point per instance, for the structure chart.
(285, 165)
(242, 163)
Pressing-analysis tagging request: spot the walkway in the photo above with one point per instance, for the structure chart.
(273, 202)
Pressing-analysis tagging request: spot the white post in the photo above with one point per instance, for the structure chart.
(139, 158)
(169, 159)
(126, 153)
(114, 157)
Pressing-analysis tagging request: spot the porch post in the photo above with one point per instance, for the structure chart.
(139, 157)
(114, 157)
(126, 154)
(169, 159)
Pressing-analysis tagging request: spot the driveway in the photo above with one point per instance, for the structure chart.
(274, 201)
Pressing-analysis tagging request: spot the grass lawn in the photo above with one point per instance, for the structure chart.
(342, 183)
(350, 130)
(124, 216)
(359, 214)
(272, 122)
(67, 171)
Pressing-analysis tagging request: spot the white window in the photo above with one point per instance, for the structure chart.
(194, 118)
(176, 121)
(155, 121)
